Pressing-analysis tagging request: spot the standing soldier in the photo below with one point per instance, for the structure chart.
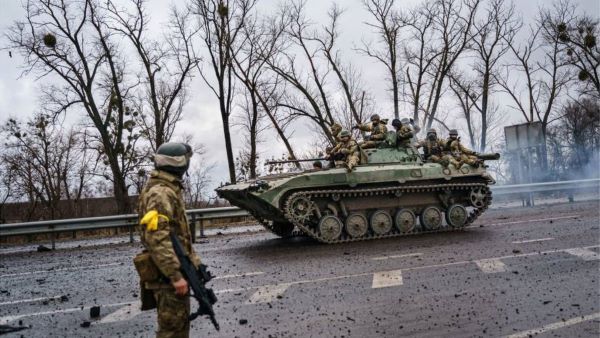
(460, 152)
(403, 133)
(433, 150)
(348, 149)
(162, 211)
(377, 129)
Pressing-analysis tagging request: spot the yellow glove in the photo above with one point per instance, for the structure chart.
(150, 220)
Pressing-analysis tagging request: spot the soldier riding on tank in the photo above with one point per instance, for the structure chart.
(434, 149)
(377, 129)
(459, 152)
(404, 132)
(346, 152)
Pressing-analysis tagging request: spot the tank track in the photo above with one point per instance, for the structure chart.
(473, 215)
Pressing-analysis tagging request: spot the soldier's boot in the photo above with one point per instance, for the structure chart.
(443, 161)
(456, 164)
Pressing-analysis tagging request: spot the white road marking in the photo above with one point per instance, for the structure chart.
(381, 258)
(554, 326)
(533, 220)
(7, 319)
(268, 293)
(127, 312)
(246, 274)
(31, 300)
(386, 279)
(491, 265)
(585, 254)
(87, 267)
(533, 240)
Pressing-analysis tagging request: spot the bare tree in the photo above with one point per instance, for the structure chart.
(77, 42)
(306, 60)
(453, 22)
(7, 186)
(166, 62)
(578, 35)
(387, 25)
(221, 23)
(420, 55)
(348, 78)
(260, 39)
(46, 162)
(538, 61)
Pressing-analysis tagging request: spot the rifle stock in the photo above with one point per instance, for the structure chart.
(197, 279)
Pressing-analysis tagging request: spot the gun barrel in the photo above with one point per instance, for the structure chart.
(489, 156)
(294, 161)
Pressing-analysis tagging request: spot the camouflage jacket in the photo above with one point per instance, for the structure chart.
(432, 147)
(346, 148)
(377, 132)
(163, 193)
(404, 135)
(457, 149)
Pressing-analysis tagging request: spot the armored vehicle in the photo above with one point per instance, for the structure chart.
(392, 193)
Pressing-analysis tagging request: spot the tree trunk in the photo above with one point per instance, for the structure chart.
(484, 106)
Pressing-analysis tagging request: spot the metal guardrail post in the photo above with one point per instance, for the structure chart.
(202, 229)
(131, 226)
(53, 237)
(193, 227)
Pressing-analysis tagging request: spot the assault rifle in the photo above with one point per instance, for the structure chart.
(197, 279)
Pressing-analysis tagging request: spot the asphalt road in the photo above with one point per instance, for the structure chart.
(517, 271)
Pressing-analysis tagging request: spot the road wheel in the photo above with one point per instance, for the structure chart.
(456, 216)
(356, 225)
(405, 220)
(381, 222)
(330, 227)
(477, 197)
(431, 218)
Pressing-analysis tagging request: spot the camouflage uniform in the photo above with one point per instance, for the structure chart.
(163, 194)
(404, 134)
(434, 151)
(377, 131)
(335, 129)
(349, 148)
(462, 154)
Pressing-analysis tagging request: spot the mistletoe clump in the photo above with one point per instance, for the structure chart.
(50, 40)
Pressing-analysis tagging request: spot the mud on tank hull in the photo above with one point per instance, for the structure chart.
(374, 201)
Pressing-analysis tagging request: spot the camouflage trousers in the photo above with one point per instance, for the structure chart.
(470, 160)
(369, 144)
(173, 312)
(445, 160)
(351, 162)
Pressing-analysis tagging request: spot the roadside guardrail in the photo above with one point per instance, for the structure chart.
(198, 216)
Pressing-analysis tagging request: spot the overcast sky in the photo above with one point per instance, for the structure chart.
(18, 95)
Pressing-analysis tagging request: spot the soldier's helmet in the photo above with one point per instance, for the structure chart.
(396, 123)
(375, 117)
(173, 157)
(405, 121)
(432, 131)
(335, 128)
(453, 132)
(344, 133)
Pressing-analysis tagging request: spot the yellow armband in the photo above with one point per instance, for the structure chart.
(150, 220)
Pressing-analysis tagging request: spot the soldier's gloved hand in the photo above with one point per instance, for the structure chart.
(367, 137)
(181, 287)
(355, 127)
